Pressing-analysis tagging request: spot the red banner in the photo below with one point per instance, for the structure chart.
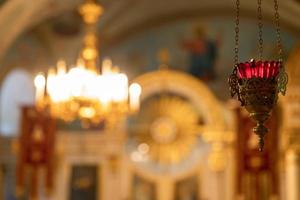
(36, 150)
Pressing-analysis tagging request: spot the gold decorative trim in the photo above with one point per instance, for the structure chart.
(187, 86)
(199, 95)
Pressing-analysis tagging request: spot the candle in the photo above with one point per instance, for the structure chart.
(106, 66)
(50, 87)
(39, 82)
(124, 81)
(61, 67)
(135, 91)
(119, 86)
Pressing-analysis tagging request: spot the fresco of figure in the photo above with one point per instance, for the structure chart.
(202, 54)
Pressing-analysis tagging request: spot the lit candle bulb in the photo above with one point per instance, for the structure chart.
(80, 63)
(50, 87)
(106, 66)
(115, 70)
(135, 91)
(124, 90)
(39, 83)
(119, 85)
(61, 67)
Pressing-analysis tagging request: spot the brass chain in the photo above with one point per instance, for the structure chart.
(260, 29)
(278, 32)
(237, 30)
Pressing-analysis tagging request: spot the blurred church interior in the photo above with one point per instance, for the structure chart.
(129, 100)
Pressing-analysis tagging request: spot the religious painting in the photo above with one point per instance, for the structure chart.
(187, 189)
(202, 47)
(84, 183)
(143, 189)
(202, 52)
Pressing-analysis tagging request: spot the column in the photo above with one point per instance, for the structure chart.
(1, 183)
(292, 189)
(230, 174)
(165, 189)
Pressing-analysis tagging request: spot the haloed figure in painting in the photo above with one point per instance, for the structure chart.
(202, 54)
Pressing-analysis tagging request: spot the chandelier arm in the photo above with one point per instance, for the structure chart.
(278, 32)
(260, 29)
(237, 30)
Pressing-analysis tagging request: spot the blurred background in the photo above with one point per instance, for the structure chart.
(186, 139)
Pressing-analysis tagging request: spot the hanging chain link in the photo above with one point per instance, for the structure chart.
(237, 30)
(260, 29)
(278, 32)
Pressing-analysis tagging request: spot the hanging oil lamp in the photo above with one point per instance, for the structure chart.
(257, 82)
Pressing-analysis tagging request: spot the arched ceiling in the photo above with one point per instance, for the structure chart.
(126, 17)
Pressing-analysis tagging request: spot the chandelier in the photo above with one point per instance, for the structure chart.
(256, 82)
(82, 92)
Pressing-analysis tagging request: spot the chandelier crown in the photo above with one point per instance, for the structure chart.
(90, 12)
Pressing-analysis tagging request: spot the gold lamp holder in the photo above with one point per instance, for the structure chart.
(257, 83)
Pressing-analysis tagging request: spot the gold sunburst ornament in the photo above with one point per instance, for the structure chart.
(168, 126)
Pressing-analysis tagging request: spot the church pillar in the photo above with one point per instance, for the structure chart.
(165, 189)
(230, 175)
(292, 162)
(291, 128)
(217, 162)
(220, 186)
(62, 178)
(111, 184)
(1, 183)
(221, 163)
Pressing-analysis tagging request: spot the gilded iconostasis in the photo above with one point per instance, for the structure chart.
(185, 142)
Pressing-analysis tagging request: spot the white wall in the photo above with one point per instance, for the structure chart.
(17, 89)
